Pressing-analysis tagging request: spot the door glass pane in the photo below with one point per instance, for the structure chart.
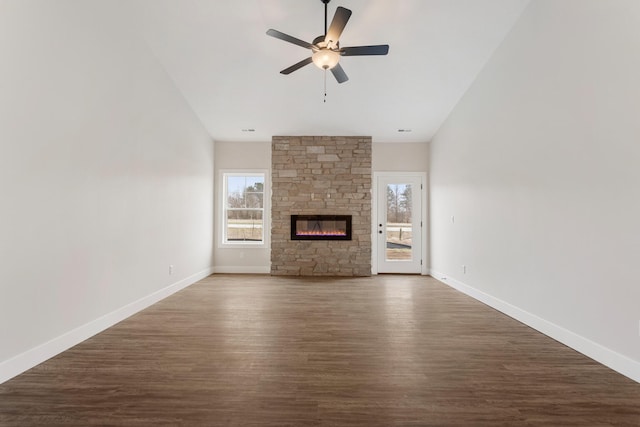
(399, 222)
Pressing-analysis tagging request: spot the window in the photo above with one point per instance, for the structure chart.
(244, 210)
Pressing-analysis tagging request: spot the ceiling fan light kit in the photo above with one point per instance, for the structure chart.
(325, 59)
(326, 51)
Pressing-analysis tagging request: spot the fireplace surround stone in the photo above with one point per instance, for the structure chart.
(321, 175)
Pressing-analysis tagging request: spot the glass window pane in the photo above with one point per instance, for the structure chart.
(256, 182)
(244, 225)
(244, 210)
(235, 184)
(254, 200)
(235, 199)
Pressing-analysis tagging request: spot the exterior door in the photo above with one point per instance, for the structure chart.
(399, 223)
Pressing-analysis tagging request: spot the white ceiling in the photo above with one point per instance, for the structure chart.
(227, 68)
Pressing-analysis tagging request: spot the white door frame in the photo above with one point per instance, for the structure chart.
(374, 217)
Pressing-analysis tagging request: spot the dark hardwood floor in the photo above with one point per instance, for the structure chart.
(259, 350)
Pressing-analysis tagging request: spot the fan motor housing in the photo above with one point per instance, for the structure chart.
(319, 41)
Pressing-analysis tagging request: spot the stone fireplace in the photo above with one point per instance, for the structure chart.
(321, 178)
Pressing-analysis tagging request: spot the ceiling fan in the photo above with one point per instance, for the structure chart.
(326, 50)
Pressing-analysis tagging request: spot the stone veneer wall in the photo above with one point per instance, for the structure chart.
(321, 175)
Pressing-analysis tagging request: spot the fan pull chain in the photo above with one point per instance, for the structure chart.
(325, 85)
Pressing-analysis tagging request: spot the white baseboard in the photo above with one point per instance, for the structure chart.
(242, 270)
(30, 358)
(616, 361)
(424, 272)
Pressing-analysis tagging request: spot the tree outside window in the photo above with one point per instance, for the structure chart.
(399, 202)
(399, 221)
(244, 207)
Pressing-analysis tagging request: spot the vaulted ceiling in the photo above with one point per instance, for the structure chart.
(227, 68)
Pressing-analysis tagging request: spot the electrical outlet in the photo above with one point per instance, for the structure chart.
(464, 269)
(171, 269)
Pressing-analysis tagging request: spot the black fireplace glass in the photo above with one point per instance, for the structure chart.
(320, 227)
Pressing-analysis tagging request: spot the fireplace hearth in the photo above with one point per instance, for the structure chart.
(320, 227)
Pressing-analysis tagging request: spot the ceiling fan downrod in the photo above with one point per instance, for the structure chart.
(326, 2)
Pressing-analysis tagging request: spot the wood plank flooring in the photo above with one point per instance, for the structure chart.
(259, 351)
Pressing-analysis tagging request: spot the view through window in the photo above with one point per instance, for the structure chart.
(399, 220)
(244, 207)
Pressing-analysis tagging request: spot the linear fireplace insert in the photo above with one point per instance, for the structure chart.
(320, 227)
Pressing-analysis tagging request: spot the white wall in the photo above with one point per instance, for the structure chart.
(400, 157)
(239, 155)
(106, 178)
(539, 165)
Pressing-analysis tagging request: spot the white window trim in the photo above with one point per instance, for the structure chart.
(222, 243)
